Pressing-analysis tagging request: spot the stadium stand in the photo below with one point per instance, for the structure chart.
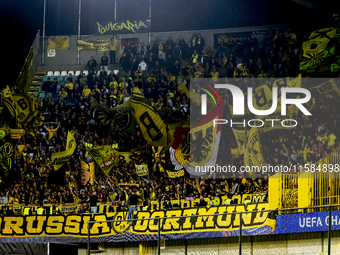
(65, 99)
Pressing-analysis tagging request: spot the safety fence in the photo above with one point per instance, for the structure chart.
(328, 220)
(315, 185)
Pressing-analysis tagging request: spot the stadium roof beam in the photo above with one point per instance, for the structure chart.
(312, 6)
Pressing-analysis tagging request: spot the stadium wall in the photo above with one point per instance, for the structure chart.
(68, 57)
(305, 244)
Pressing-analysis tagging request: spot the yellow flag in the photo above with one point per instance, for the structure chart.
(59, 42)
(60, 158)
(331, 139)
(105, 156)
(175, 174)
(151, 124)
(16, 133)
(10, 103)
(253, 155)
(24, 104)
(142, 170)
(326, 90)
(92, 173)
(84, 166)
(262, 99)
(241, 137)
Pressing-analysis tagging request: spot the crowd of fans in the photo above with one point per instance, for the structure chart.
(157, 69)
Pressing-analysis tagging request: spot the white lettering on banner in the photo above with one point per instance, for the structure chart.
(335, 220)
(310, 222)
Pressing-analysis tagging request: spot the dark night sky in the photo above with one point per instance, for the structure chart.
(21, 19)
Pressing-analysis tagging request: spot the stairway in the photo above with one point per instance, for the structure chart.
(37, 81)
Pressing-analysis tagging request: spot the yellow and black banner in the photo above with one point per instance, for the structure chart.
(93, 46)
(326, 90)
(254, 217)
(60, 158)
(16, 133)
(253, 155)
(24, 105)
(142, 170)
(175, 174)
(92, 173)
(151, 124)
(10, 104)
(59, 42)
(105, 156)
(241, 137)
(6, 151)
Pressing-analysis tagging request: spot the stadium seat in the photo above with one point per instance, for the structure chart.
(70, 72)
(63, 73)
(86, 72)
(77, 73)
(56, 73)
(42, 94)
(108, 72)
(60, 78)
(116, 71)
(49, 73)
(40, 89)
(50, 94)
(45, 78)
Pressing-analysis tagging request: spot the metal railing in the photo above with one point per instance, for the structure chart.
(159, 219)
(334, 250)
(29, 68)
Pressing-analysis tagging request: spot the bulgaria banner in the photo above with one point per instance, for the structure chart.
(60, 158)
(124, 27)
(105, 156)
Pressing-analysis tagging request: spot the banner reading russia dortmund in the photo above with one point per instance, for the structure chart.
(74, 227)
(59, 42)
(93, 45)
(105, 156)
(60, 158)
(151, 124)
